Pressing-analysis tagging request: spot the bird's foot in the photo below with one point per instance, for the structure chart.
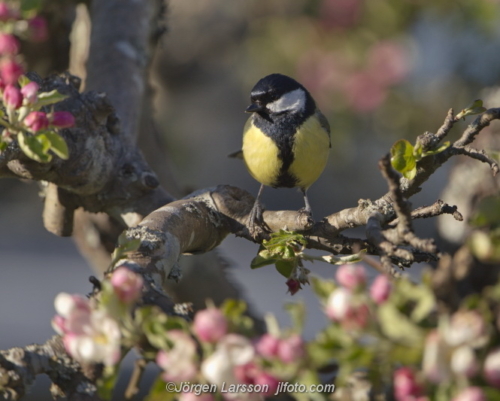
(257, 227)
(305, 216)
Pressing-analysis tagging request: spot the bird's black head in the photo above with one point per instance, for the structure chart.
(277, 94)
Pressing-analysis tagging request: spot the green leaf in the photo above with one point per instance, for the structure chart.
(125, 245)
(23, 80)
(476, 107)
(47, 98)
(28, 5)
(158, 392)
(57, 144)
(444, 146)
(285, 267)
(297, 312)
(3, 146)
(263, 258)
(487, 213)
(341, 260)
(107, 382)
(396, 326)
(35, 148)
(403, 159)
(233, 308)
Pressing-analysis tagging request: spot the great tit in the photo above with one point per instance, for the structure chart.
(286, 140)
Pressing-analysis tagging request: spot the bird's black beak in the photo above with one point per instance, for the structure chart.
(253, 108)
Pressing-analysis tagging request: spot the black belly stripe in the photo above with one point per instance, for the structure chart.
(281, 129)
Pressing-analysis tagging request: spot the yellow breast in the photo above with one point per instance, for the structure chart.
(311, 150)
(260, 154)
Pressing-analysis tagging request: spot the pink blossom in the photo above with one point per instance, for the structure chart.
(471, 394)
(62, 119)
(267, 346)
(89, 336)
(388, 63)
(30, 92)
(95, 339)
(12, 97)
(357, 317)
(5, 12)
(8, 44)
(380, 289)
(464, 362)
(340, 14)
(210, 325)
(36, 121)
(246, 373)
(37, 28)
(127, 285)
(466, 327)
(10, 71)
(363, 92)
(291, 349)
(267, 381)
(435, 365)
(492, 368)
(351, 276)
(338, 304)
(231, 351)
(178, 363)
(405, 385)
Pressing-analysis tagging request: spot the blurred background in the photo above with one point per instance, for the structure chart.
(380, 70)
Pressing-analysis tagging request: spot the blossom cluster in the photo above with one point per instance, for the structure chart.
(392, 328)
(91, 331)
(21, 99)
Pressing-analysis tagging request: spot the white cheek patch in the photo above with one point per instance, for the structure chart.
(292, 101)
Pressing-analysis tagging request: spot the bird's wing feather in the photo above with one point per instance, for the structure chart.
(324, 123)
(236, 155)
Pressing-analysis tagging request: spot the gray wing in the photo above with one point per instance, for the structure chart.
(324, 124)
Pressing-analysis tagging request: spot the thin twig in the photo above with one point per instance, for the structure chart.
(135, 378)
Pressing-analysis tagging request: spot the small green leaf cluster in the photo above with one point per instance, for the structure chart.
(405, 156)
(285, 250)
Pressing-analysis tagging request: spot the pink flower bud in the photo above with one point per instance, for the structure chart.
(338, 304)
(126, 284)
(268, 382)
(471, 394)
(291, 349)
(30, 92)
(10, 71)
(36, 121)
(8, 44)
(405, 385)
(351, 276)
(210, 325)
(293, 285)
(5, 13)
(37, 28)
(492, 368)
(380, 289)
(12, 97)
(62, 119)
(267, 346)
(463, 361)
(356, 318)
(246, 373)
